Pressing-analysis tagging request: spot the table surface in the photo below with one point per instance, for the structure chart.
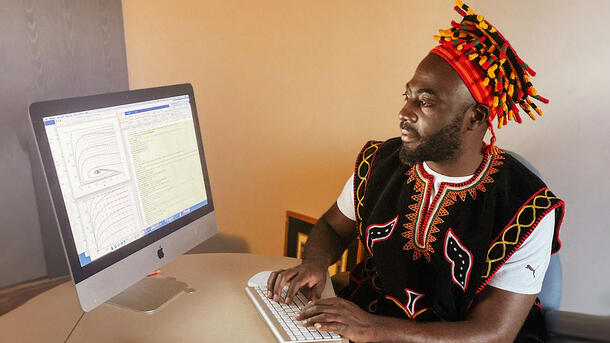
(218, 311)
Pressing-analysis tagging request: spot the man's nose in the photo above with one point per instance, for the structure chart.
(407, 113)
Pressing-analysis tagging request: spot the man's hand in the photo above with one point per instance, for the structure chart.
(340, 316)
(308, 276)
(495, 316)
(328, 238)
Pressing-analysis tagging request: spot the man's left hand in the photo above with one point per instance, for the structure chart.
(342, 317)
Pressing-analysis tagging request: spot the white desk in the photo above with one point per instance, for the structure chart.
(218, 311)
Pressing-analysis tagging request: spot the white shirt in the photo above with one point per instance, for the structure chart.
(516, 273)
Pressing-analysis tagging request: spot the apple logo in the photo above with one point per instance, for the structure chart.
(160, 252)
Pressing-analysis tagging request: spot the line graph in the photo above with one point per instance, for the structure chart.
(94, 155)
(110, 219)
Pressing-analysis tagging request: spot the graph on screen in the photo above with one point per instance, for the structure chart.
(126, 171)
(94, 154)
(110, 219)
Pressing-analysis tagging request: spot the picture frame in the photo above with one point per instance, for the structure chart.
(298, 227)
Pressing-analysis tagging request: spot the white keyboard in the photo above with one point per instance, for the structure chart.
(280, 317)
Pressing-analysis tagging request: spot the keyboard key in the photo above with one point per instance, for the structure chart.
(303, 298)
(284, 316)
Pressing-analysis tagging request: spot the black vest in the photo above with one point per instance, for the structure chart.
(429, 257)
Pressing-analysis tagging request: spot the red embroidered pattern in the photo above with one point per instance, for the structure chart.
(425, 215)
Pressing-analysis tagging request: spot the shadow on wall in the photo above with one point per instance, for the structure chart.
(51, 57)
(222, 242)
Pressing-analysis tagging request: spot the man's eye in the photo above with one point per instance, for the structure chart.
(423, 103)
(405, 95)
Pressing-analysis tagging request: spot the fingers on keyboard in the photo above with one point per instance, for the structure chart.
(284, 318)
(271, 283)
(282, 279)
(293, 288)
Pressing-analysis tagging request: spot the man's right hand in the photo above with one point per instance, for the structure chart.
(327, 239)
(309, 277)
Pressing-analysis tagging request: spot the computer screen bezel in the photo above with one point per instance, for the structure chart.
(40, 110)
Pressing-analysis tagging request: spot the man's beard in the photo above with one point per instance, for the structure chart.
(441, 146)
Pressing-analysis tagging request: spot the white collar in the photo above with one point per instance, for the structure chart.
(438, 177)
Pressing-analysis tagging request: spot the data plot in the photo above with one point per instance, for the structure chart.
(94, 154)
(110, 219)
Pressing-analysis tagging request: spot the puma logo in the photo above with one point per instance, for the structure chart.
(532, 269)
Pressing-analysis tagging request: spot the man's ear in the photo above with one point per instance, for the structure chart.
(478, 116)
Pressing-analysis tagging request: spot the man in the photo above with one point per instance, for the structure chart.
(458, 233)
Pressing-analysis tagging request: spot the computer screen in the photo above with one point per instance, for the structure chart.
(129, 183)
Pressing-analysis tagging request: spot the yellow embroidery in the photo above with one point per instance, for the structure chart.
(525, 219)
(362, 172)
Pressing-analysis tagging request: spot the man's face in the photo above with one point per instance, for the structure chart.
(431, 121)
(442, 145)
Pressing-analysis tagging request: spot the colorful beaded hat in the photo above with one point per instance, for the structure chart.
(490, 68)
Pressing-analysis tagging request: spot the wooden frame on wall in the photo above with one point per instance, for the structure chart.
(298, 227)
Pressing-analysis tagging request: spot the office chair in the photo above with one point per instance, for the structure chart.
(550, 295)
(565, 326)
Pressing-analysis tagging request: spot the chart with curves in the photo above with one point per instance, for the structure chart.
(110, 219)
(95, 155)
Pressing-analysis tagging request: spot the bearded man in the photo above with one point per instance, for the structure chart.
(458, 233)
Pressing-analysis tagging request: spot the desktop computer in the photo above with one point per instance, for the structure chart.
(130, 188)
(129, 185)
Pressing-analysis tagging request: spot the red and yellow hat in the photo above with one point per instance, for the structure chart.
(490, 68)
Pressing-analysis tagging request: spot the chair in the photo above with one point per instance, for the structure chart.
(550, 295)
(565, 326)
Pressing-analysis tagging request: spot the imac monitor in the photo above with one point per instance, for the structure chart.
(129, 185)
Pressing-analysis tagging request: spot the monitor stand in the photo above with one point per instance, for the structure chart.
(149, 294)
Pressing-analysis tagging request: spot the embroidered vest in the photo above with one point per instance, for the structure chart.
(428, 256)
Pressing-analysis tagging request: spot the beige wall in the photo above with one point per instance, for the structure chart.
(288, 91)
